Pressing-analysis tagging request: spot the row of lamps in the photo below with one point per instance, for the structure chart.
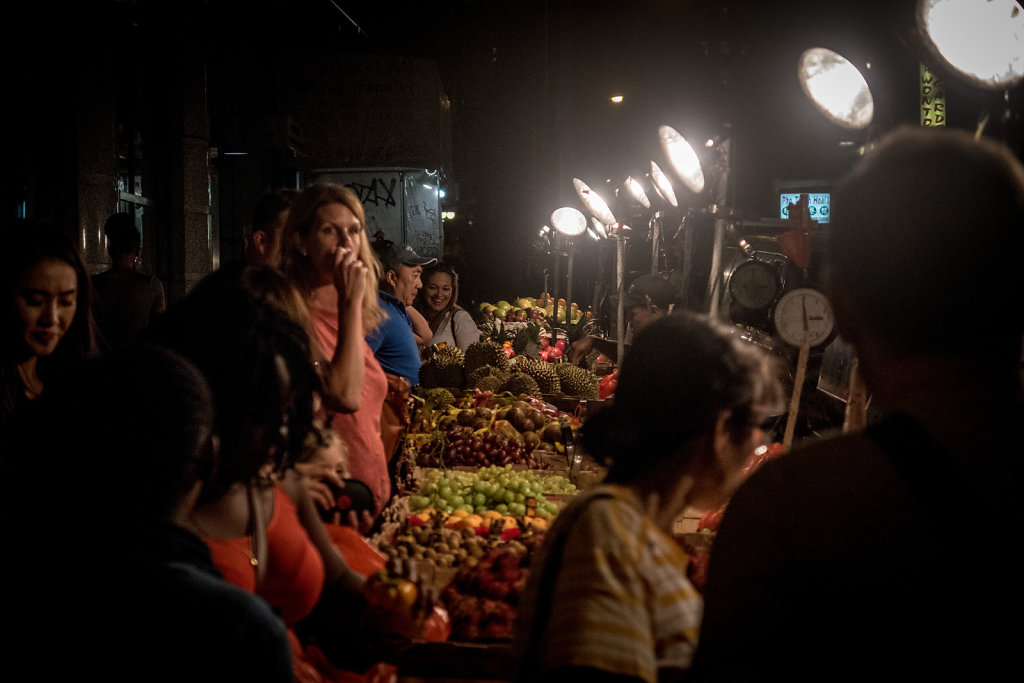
(980, 40)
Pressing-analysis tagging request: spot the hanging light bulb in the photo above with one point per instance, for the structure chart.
(683, 158)
(981, 39)
(836, 87)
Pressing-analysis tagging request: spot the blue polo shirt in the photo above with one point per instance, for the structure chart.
(393, 343)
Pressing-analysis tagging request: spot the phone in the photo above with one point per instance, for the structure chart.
(354, 495)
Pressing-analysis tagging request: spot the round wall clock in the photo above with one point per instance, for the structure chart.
(803, 316)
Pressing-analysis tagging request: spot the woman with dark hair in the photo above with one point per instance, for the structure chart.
(608, 597)
(144, 417)
(327, 255)
(438, 302)
(47, 313)
(255, 513)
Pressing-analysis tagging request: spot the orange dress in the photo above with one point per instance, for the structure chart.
(294, 576)
(292, 581)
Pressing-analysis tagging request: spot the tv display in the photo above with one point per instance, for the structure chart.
(818, 204)
(819, 196)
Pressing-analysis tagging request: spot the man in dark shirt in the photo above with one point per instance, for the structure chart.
(127, 300)
(263, 238)
(393, 342)
(648, 298)
(889, 554)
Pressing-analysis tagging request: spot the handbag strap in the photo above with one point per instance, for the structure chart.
(552, 566)
(257, 533)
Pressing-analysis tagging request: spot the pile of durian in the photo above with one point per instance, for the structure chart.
(486, 366)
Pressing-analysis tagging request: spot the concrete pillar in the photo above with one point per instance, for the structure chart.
(192, 233)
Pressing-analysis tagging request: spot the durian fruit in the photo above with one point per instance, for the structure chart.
(576, 381)
(490, 383)
(485, 352)
(445, 368)
(542, 372)
(526, 342)
(520, 383)
(473, 378)
(439, 398)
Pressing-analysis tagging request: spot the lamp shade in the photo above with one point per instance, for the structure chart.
(662, 186)
(682, 157)
(569, 221)
(594, 203)
(836, 87)
(983, 40)
(636, 190)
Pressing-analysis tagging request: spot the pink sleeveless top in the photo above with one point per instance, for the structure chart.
(360, 430)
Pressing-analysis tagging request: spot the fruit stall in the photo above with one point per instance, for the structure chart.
(489, 461)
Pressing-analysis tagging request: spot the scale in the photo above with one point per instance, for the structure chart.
(803, 317)
(754, 284)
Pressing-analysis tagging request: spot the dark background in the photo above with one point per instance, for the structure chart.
(529, 83)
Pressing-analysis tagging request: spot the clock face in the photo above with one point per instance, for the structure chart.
(803, 316)
(754, 284)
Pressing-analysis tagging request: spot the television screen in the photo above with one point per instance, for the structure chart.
(817, 204)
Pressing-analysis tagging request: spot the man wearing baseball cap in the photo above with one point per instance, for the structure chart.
(648, 298)
(393, 342)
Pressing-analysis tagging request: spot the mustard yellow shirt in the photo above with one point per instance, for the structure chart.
(620, 600)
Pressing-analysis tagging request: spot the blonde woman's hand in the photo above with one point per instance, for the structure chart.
(349, 276)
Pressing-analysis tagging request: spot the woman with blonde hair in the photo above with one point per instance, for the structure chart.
(327, 255)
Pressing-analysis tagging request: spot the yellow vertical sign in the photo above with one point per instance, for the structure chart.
(933, 99)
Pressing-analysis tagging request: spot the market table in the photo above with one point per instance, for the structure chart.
(453, 661)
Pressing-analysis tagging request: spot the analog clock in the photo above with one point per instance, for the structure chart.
(803, 315)
(754, 284)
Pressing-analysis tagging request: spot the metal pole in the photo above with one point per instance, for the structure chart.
(714, 278)
(655, 240)
(554, 281)
(568, 286)
(620, 267)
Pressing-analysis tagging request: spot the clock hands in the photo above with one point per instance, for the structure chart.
(803, 302)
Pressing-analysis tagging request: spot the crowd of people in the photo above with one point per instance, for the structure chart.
(171, 494)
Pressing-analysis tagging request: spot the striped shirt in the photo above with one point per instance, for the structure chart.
(620, 600)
